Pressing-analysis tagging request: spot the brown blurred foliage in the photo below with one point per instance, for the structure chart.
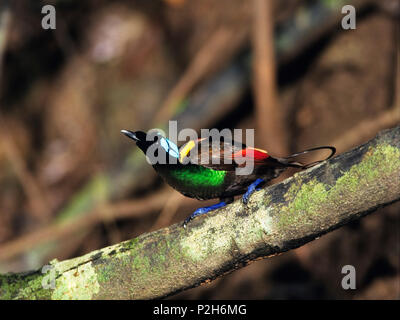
(66, 93)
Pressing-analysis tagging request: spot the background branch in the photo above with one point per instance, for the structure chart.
(271, 131)
(277, 219)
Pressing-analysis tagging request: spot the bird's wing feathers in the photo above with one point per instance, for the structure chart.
(222, 155)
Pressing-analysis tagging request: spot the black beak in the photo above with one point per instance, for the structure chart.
(130, 134)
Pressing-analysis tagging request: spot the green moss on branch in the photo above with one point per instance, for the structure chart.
(277, 219)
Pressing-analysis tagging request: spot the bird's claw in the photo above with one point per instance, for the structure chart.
(245, 198)
(187, 220)
(251, 189)
(203, 210)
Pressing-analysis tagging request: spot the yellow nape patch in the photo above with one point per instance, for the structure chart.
(186, 149)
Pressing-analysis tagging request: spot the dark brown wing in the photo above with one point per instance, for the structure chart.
(223, 155)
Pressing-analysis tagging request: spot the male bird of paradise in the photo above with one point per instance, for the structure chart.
(187, 172)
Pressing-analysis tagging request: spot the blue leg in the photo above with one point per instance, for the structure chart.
(251, 189)
(204, 210)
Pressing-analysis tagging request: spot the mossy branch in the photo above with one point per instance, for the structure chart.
(277, 219)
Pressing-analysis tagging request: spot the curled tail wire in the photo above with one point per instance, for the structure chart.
(287, 160)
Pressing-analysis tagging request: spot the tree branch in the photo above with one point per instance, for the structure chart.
(279, 218)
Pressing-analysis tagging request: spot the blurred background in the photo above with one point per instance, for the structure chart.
(70, 183)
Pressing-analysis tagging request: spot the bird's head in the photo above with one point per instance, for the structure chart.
(154, 143)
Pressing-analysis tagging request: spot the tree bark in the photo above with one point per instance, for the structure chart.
(278, 218)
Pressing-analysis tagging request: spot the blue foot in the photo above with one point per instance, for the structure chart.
(204, 210)
(251, 189)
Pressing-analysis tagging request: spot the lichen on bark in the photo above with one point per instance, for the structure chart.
(276, 219)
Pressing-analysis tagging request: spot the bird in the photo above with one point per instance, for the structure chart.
(199, 174)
